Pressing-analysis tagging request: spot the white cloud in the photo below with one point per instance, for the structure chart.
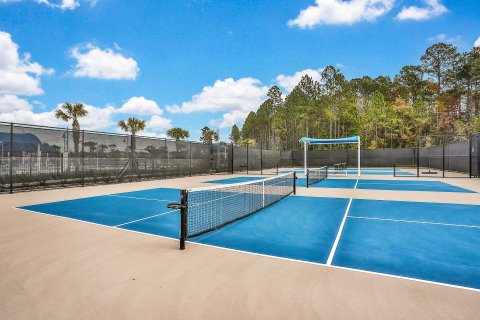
(432, 9)
(442, 37)
(98, 118)
(94, 62)
(230, 118)
(29, 117)
(63, 4)
(10, 103)
(477, 43)
(288, 82)
(59, 4)
(18, 75)
(236, 97)
(140, 105)
(334, 12)
(15, 109)
(158, 124)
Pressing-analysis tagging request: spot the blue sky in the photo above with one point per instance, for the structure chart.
(203, 62)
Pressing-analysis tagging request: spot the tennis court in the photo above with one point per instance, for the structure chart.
(370, 184)
(364, 171)
(426, 241)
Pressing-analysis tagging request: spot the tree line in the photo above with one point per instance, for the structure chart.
(439, 96)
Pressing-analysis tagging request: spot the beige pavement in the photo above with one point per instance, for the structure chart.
(54, 268)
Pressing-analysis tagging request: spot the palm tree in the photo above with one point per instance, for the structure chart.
(72, 112)
(209, 135)
(132, 125)
(178, 133)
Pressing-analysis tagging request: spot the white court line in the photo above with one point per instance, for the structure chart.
(155, 215)
(339, 234)
(420, 222)
(136, 198)
(386, 275)
(405, 184)
(261, 255)
(340, 230)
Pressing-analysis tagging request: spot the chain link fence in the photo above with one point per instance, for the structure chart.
(42, 157)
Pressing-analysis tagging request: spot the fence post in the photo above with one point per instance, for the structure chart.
(291, 158)
(11, 157)
(417, 158)
(470, 155)
(233, 170)
(61, 169)
(190, 149)
(443, 157)
(248, 164)
(166, 161)
(261, 157)
(83, 158)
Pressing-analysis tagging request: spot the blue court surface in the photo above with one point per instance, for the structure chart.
(292, 228)
(136, 210)
(428, 241)
(235, 180)
(396, 185)
(436, 242)
(364, 171)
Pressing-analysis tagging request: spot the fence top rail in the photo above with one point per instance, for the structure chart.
(34, 126)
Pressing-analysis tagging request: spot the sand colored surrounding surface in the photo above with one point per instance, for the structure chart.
(54, 268)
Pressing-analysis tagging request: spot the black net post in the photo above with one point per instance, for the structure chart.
(294, 182)
(11, 157)
(183, 217)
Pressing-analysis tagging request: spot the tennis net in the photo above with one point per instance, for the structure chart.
(316, 175)
(208, 208)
